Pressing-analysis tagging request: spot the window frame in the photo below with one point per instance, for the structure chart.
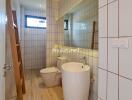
(32, 16)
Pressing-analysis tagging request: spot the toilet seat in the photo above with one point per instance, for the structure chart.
(50, 70)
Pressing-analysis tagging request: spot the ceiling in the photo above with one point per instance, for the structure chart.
(35, 4)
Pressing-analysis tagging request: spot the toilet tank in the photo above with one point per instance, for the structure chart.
(61, 61)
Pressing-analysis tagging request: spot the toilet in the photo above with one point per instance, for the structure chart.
(52, 76)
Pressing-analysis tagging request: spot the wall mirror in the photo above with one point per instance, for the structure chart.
(81, 25)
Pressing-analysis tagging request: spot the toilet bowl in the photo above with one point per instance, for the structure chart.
(51, 76)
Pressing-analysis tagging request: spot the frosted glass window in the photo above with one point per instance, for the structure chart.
(35, 22)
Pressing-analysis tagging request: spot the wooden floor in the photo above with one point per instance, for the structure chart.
(35, 89)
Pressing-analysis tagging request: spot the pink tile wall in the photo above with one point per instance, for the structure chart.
(115, 65)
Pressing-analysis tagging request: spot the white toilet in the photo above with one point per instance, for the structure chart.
(52, 75)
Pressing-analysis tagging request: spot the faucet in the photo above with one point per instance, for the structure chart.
(84, 60)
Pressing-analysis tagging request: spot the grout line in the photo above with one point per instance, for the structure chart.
(102, 6)
(108, 37)
(118, 37)
(112, 2)
(107, 4)
(118, 54)
(125, 36)
(116, 74)
(107, 54)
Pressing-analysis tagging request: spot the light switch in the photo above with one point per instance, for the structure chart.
(122, 43)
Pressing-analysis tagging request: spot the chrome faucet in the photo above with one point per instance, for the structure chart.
(84, 60)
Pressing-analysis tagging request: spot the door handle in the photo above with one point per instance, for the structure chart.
(7, 67)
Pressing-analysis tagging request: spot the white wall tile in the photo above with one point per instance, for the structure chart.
(125, 54)
(112, 92)
(102, 78)
(103, 22)
(113, 19)
(112, 56)
(109, 1)
(54, 30)
(125, 89)
(125, 17)
(102, 3)
(32, 41)
(99, 98)
(125, 61)
(103, 53)
(95, 62)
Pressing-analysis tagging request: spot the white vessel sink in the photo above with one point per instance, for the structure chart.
(76, 81)
(75, 67)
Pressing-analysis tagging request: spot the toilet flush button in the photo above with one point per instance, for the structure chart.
(124, 43)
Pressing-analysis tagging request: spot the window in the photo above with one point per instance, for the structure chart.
(65, 24)
(35, 22)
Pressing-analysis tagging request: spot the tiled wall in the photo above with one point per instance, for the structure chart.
(55, 31)
(33, 41)
(115, 65)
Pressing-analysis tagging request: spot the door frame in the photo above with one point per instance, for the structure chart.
(2, 47)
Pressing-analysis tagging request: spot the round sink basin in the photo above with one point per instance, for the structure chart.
(76, 81)
(75, 67)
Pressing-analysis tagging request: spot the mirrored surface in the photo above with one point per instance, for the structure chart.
(81, 25)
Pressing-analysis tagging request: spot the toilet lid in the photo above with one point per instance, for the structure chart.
(49, 70)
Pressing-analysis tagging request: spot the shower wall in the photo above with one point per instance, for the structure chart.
(32, 41)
